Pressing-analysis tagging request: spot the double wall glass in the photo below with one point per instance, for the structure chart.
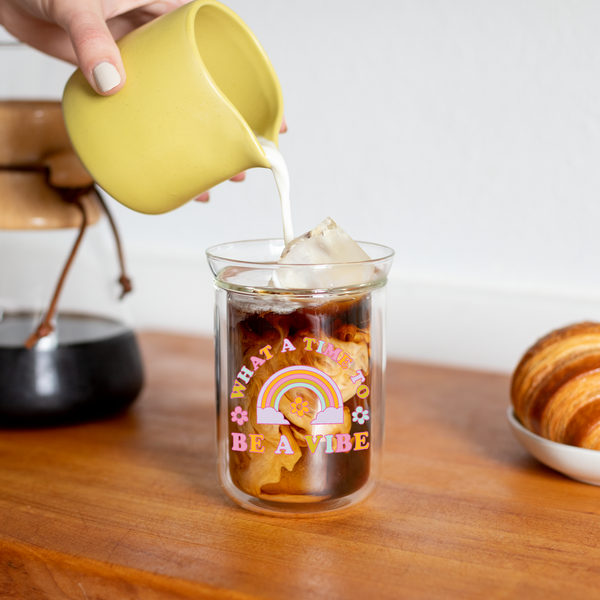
(300, 378)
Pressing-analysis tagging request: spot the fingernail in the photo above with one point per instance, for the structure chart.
(106, 76)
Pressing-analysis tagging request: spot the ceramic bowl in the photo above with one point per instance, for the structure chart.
(577, 463)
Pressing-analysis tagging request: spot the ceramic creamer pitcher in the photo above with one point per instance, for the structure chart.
(199, 89)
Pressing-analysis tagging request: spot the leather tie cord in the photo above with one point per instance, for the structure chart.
(123, 280)
(73, 195)
(46, 326)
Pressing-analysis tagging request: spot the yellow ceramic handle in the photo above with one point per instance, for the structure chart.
(199, 87)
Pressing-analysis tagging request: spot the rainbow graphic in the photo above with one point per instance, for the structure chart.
(331, 403)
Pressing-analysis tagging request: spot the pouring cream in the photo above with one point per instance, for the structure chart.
(282, 180)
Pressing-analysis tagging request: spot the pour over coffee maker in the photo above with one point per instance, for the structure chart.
(66, 351)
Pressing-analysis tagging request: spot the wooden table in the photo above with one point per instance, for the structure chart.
(131, 508)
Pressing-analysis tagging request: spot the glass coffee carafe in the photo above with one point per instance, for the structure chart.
(66, 351)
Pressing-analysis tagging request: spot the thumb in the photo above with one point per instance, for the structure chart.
(97, 53)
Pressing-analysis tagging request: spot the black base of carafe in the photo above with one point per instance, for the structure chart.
(71, 383)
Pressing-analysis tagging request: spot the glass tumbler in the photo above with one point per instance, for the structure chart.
(300, 377)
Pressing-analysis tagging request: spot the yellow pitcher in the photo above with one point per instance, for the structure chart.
(199, 89)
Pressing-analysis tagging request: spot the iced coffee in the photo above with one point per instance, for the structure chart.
(300, 365)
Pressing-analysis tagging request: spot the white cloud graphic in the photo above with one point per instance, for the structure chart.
(329, 416)
(270, 416)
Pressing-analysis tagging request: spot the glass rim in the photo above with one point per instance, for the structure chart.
(211, 253)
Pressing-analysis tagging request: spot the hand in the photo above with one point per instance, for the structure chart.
(82, 32)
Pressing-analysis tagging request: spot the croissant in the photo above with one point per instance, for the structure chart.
(555, 389)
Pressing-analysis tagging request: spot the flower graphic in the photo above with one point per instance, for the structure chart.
(239, 416)
(360, 415)
(299, 406)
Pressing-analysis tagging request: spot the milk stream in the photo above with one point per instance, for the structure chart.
(282, 180)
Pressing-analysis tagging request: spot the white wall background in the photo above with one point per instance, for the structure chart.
(464, 134)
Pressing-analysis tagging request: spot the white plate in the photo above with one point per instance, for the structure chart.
(578, 463)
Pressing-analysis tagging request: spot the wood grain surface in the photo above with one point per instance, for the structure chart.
(131, 508)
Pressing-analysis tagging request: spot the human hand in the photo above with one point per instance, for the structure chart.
(82, 32)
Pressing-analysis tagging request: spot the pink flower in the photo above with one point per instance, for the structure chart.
(239, 416)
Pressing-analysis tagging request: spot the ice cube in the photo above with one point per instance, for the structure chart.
(335, 260)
